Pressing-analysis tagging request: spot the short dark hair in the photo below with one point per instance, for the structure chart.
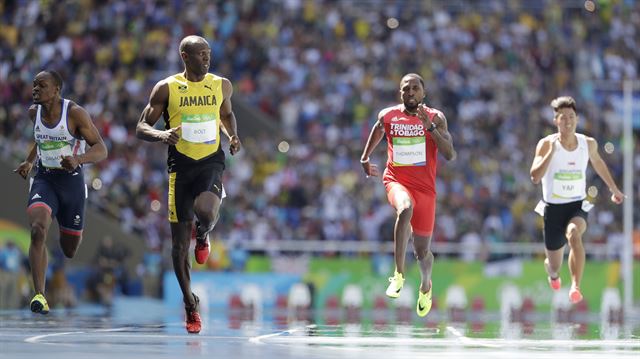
(563, 102)
(187, 42)
(57, 78)
(416, 76)
(183, 45)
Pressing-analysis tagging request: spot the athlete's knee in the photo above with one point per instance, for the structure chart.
(575, 241)
(206, 217)
(574, 237)
(421, 247)
(70, 243)
(206, 224)
(422, 252)
(405, 210)
(206, 204)
(38, 232)
(69, 251)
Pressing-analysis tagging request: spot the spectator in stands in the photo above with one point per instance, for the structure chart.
(11, 260)
(108, 272)
(61, 293)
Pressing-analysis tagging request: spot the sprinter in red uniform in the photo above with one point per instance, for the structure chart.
(415, 133)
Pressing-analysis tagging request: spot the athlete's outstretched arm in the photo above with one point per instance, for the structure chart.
(544, 153)
(441, 135)
(603, 171)
(158, 102)
(87, 131)
(228, 118)
(375, 136)
(25, 167)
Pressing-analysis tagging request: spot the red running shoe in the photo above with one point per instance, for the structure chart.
(555, 283)
(574, 295)
(202, 249)
(194, 323)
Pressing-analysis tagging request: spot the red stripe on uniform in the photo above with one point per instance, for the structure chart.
(39, 204)
(72, 232)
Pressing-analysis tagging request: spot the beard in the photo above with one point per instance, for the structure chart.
(412, 105)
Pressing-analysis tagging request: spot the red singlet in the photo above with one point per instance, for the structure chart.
(411, 165)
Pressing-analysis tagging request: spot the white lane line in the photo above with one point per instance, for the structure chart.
(37, 338)
(451, 342)
(176, 337)
(469, 341)
(259, 339)
(491, 343)
(112, 329)
(546, 344)
(360, 341)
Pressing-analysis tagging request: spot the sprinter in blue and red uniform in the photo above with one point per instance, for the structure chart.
(61, 130)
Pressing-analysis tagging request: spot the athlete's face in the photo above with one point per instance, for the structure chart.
(566, 120)
(411, 92)
(44, 88)
(197, 57)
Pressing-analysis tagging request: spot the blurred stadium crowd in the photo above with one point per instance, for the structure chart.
(323, 70)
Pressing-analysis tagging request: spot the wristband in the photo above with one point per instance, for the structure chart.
(432, 127)
(364, 161)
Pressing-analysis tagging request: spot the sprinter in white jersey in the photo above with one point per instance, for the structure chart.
(560, 163)
(61, 129)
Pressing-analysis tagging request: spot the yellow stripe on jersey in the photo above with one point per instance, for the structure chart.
(173, 214)
(196, 107)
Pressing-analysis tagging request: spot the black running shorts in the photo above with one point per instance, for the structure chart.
(187, 183)
(63, 195)
(556, 220)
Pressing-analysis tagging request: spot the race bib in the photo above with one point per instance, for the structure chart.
(199, 128)
(51, 153)
(586, 205)
(409, 151)
(568, 185)
(540, 208)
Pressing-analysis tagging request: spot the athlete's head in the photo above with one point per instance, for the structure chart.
(411, 91)
(196, 55)
(47, 85)
(564, 114)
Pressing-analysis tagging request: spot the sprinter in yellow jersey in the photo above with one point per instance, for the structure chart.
(196, 106)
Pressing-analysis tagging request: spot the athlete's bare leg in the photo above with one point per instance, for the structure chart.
(422, 251)
(206, 207)
(402, 229)
(576, 228)
(181, 237)
(553, 262)
(70, 243)
(39, 221)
